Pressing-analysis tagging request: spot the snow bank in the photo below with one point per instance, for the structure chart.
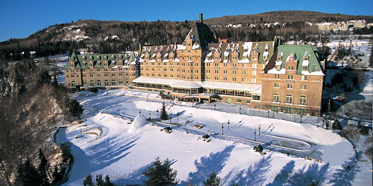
(138, 123)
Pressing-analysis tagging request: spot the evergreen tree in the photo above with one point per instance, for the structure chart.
(160, 173)
(42, 169)
(164, 115)
(213, 180)
(27, 175)
(107, 181)
(56, 175)
(66, 152)
(88, 181)
(44, 77)
(55, 82)
(75, 108)
(99, 180)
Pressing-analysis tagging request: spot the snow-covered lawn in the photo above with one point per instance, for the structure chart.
(106, 144)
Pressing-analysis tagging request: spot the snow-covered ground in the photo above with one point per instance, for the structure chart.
(106, 144)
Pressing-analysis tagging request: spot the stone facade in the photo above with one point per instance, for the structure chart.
(263, 75)
(101, 70)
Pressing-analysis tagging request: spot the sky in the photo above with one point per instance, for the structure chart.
(21, 18)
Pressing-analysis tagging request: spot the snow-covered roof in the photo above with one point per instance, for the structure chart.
(254, 88)
(305, 63)
(186, 84)
(274, 71)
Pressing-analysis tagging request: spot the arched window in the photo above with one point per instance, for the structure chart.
(276, 97)
(113, 82)
(289, 98)
(106, 83)
(303, 100)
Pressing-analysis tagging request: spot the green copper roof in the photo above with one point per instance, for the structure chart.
(299, 52)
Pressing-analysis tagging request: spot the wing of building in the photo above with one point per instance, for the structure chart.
(263, 75)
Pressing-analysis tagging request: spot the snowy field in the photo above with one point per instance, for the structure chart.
(106, 144)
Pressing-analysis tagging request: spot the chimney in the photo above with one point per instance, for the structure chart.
(201, 17)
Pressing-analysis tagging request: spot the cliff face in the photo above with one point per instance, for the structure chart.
(31, 109)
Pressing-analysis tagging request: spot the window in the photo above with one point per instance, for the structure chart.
(239, 100)
(254, 73)
(302, 112)
(288, 110)
(275, 108)
(304, 78)
(303, 87)
(91, 83)
(253, 80)
(113, 82)
(277, 76)
(290, 77)
(98, 82)
(290, 86)
(303, 100)
(106, 83)
(234, 79)
(276, 97)
(225, 78)
(216, 78)
(277, 85)
(243, 72)
(289, 99)
(234, 72)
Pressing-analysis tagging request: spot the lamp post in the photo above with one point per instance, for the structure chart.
(255, 135)
(222, 128)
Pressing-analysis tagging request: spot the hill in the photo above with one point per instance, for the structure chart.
(117, 36)
(286, 16)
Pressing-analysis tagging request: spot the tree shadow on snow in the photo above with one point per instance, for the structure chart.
(136, 177)
(283, 175)
(114, 151)
(214, 162)
(313, 174)
(254, 175)
(346, 175)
